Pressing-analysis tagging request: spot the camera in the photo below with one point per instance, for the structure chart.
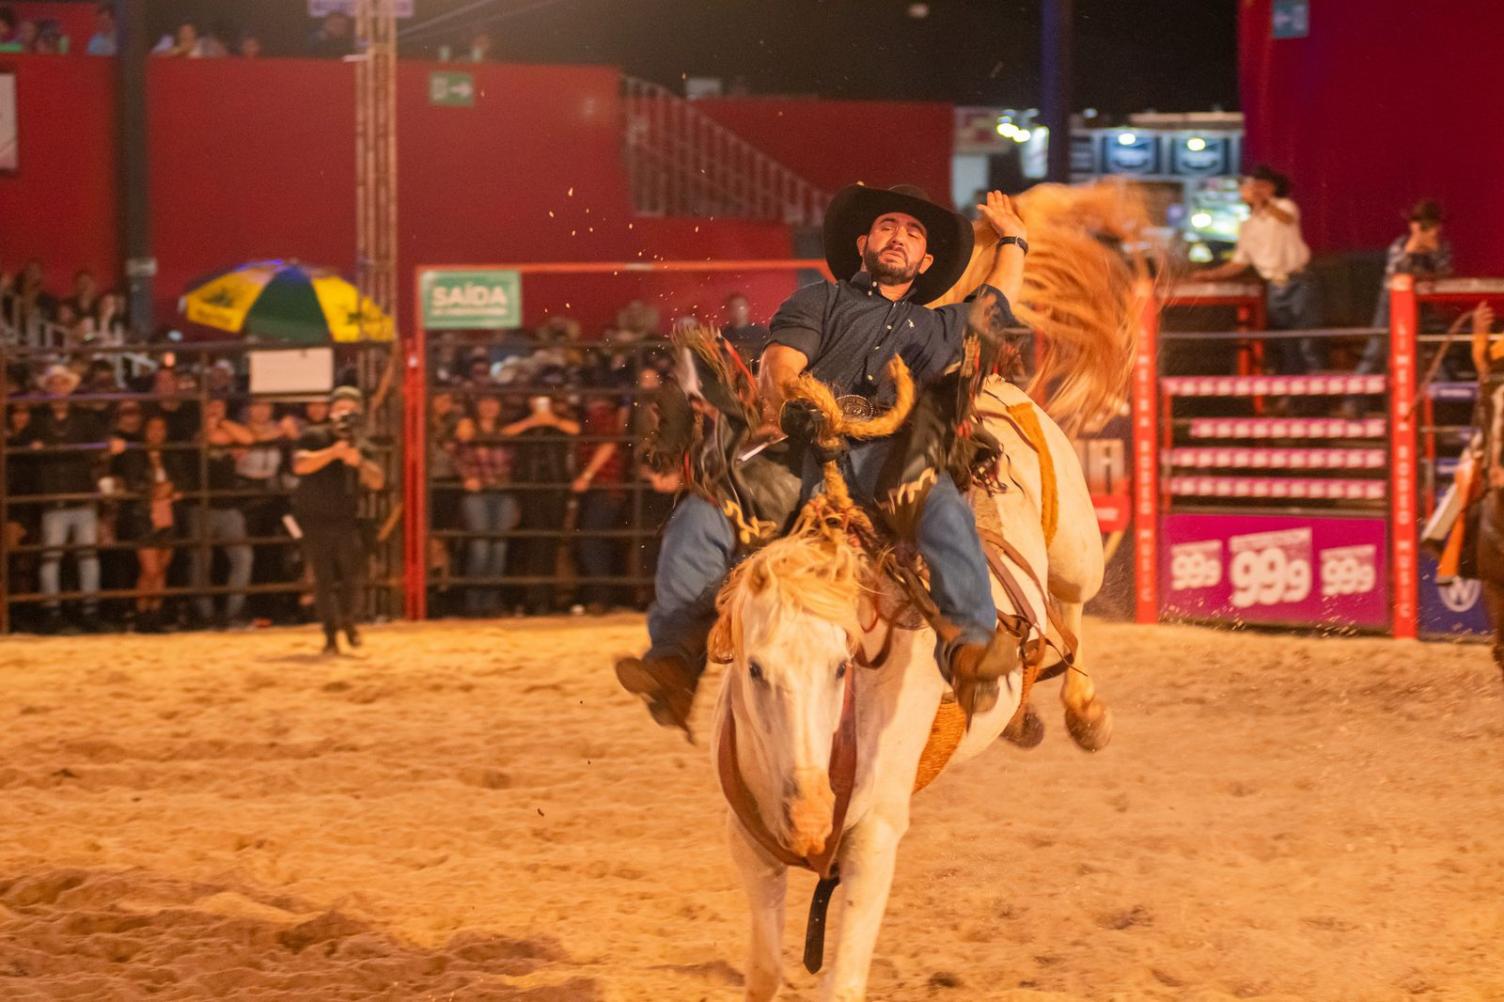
(347, 425)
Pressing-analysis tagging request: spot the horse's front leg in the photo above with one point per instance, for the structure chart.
(1087, 716)
(765, 881)
(868, 855)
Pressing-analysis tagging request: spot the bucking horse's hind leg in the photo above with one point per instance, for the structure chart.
(766, 882)
(1087, 715)
(1493, 600)
(868, 855)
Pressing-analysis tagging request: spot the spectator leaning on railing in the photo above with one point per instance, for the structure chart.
(22, 520)
(602, 501)
(1424, 253)
(541, 468)
(152, 474)
(219, 519)
(484, 465)
(79, 436)
(1270, 243)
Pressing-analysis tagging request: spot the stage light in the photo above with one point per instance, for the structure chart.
(1022, 136)
(1005, 128)
(1126, 139)
(1201, 220)
(1195, 144)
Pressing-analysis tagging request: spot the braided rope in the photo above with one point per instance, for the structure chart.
(833, 510)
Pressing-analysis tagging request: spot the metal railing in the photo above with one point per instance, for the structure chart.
(109, 506)
(557, 531)
(681, 162)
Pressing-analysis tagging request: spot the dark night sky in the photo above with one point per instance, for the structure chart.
(1172, 55)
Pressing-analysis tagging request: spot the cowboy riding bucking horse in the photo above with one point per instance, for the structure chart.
(895, 252)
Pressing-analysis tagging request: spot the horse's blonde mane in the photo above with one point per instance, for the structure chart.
(815, 572)
(1080, 295)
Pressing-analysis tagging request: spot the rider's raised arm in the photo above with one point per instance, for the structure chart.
(1007, 271)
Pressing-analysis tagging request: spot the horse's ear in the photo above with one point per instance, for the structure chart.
(719, 646)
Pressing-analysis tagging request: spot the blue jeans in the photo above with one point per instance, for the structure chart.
(77, 524)
(219, 525)
(699, 547)
(486, 511)
(1296, 306)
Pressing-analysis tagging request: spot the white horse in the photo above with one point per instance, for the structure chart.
(797, 620)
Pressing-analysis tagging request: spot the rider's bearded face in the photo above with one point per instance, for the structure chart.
(894, 249)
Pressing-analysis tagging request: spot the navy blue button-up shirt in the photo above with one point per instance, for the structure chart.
(850, 330)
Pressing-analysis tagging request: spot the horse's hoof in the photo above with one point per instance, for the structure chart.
(1091, 728)
(1025, 730)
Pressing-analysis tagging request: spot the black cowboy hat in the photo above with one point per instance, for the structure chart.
(1263, 172)
(948, 235)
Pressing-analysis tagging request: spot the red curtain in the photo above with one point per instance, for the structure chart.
(1383, 103)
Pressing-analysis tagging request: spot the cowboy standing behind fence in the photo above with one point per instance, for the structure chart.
(333, 468)
(900, 251)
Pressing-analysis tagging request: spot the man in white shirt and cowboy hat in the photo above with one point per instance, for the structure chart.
(1270, 243)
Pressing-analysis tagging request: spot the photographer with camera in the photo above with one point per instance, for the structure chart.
(333, 466)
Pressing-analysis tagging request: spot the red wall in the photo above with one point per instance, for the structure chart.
(257, 158)
(60, 205)
(836, 143)
(1386, 101)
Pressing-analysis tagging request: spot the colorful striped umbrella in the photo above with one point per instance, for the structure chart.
(284, 301)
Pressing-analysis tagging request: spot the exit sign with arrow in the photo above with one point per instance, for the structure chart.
(451, 90)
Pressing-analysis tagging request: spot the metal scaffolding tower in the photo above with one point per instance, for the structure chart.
(376, 153)
(376, 260)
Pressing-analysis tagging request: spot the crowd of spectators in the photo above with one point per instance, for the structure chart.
(333, 37)
(537, 442)
(87, 316)
(152, 469)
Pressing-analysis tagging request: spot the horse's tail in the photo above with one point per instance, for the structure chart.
(1082, 294)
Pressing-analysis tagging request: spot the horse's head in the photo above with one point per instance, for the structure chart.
(788, 625)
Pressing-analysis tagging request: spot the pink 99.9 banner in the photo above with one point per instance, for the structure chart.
(1298, 570)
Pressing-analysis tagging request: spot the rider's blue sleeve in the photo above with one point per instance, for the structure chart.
(929, 358)
(799, 322)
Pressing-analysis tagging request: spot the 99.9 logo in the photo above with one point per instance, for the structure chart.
(1269, 576)
(1349, 570)
(1195, 565)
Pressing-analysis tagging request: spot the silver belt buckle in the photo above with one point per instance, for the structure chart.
(855, 408)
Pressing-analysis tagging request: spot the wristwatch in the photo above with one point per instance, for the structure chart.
(1023, 244)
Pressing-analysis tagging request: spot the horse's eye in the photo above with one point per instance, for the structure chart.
(841, 671)
(754, 671)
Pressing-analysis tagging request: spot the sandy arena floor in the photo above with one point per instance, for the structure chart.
(473, 812)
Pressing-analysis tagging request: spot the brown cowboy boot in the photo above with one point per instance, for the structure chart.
(666, 685)
(975, 670)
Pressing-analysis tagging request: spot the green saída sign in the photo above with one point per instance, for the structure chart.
(450, 89)
(482, 299)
